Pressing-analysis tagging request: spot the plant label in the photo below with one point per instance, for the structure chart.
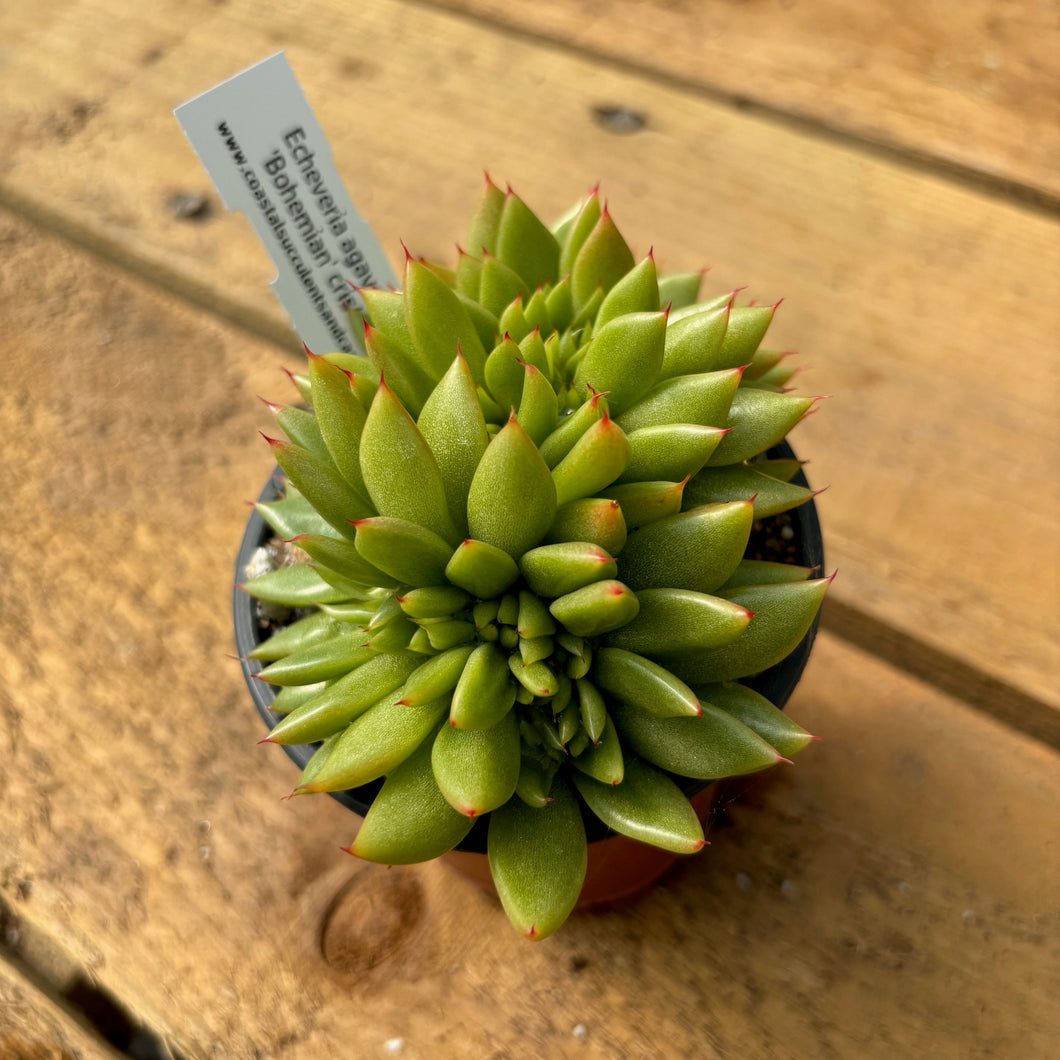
(268, 157)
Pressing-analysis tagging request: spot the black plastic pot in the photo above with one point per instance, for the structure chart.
(776, 684)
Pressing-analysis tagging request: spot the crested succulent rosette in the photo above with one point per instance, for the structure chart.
(523, 519)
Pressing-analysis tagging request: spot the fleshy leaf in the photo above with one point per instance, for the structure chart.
(554, 570)
(482, 569)
(636, 292)
(525, 244)
(645, 684)
(783, 615)
(485, 692)
(623, 359)
(757, 713)
(345, 699)
(376, 743)
(321, 661)
(400, 471)
(512, 501)
(454, 429)
(647, 806)
(477, 769)
(593, 519)
(538, 859)
(602, 261)
(597, 459)
(708, 747)
(759, 419)
(740, 482)
(679, 620)
(671, 452)
(602, 760)
(409, 820)
(296, 586)
(595, 609)
(698, 549)
(703, 398)
(404, 550)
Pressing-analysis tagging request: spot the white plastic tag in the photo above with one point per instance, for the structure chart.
(268, 157)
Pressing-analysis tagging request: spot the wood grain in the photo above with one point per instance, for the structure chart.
(892, 894)
(925, 307)
(972, 84)
(32, 1027)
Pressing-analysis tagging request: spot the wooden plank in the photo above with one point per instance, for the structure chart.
(32, 1027)
(910, 296)
(858, 905)
(912, 76)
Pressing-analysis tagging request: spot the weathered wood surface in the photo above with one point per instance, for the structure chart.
(928, 307)
(970, 83)
(892, 894)
(32, 1027)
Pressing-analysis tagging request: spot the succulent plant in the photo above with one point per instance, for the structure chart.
(523, 517)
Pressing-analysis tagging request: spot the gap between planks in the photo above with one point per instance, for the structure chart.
(967, 176)
(939, 669)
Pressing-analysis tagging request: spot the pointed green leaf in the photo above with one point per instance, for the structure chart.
(292, 516)
(759, 419)
(602, 261)
(704, 398)
(325, 489)
(598, 458)
(710, 747)
(538, 407)
(783, 615)
(636, 292)
(455, 431)
(595, 609)
(405, 551)
(538, 859)
(341, 418)
(677, 620)
(437, 601)
(760, 572)
(647, 806)
(500, 286)
(698, 549)
(741, 482)
(694, 343)
(645, 502)
(670, 452)
(477, 769)
(345, 699)
(525, 244)
(571, 428)
(644, 683)
(576, 230)
(296, 586)
(623, 359)
(602, 760)
(436, 677)
(758, 714)
(593, 519)
(512, 500)
(483, 570)
(554, 570)
(410, 821)
(485, 692)
(321, 661)
(376, 743)
(439, 323)
(400, 471)
(680, 289)
(313, 629)
(342, 556)
(747, 327)
(482, 233)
